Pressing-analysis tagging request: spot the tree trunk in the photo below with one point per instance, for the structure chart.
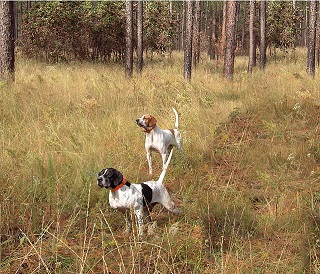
(15, 16)
(305, 29)
(178, 30)
(196, 34)
(312, 4)
(228, 64)
(212, 31)
(223, 30)
(243, 33)
(251, 36)
(129, 46)
(140, 37)
(263, 34)
(6, 40)
(171, 19)
(318, 38)
(188, 41)
(209, 34)
(183, 25)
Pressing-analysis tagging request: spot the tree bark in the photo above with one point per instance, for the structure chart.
(251, 37)
(312, 4)
(223, 30)
(196, 33)
(140, 37)
(7, 58)
(129, 45)
(212, 31)
(228, 64)
(171, 39)
(318, 38)
(243, 33)
(179, 28)
(263, 48)
(188, 41)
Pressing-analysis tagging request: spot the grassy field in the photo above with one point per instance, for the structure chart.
(247, 182)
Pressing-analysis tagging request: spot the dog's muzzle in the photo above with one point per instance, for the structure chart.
(140, 123)
(99, 181)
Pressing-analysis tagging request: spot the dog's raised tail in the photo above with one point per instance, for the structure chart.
(176, 124)
(163, 173)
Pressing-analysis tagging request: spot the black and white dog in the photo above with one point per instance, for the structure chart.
(141, 197)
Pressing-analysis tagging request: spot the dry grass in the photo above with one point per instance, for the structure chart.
(247, 181)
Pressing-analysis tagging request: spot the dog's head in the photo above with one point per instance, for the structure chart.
(147, 122)
(109, 177)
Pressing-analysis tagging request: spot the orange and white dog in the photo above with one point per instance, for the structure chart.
(159, 140)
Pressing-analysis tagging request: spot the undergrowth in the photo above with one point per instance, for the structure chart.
(247, 181)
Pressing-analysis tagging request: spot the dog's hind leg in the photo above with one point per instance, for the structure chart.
(149, 158)
(164, 159)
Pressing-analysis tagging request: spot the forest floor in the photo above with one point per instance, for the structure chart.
(247, 180)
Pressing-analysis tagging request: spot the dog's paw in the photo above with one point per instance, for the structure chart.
(177, 211)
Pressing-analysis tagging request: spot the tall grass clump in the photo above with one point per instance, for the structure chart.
(247, 180)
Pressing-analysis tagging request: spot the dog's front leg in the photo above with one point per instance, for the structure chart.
(139, 215)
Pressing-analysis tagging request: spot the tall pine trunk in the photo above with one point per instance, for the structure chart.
(222, 44)
(140, 36)
(318, 37)
(312, 5)
(243, 33)
(129, 46)
(6, 40)
(187, 45)
(251, 37)
(196, 34)
(212, 32)
(228, 64)
(263, 34)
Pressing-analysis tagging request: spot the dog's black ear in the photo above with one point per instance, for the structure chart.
(114, 176)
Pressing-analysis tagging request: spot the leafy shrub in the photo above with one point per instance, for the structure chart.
(94, 31)
(283, 24)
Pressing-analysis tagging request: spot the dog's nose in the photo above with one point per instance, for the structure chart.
(137, 121)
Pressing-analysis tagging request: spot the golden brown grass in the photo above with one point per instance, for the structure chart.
(247, 181)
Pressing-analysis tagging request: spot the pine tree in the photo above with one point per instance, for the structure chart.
(6, 40)
(129, 45)
(188, 41)
(228, 64)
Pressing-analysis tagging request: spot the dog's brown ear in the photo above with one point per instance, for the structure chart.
(152, 121)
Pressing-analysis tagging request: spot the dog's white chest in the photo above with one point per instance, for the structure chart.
(159, 140)
(125, 198)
